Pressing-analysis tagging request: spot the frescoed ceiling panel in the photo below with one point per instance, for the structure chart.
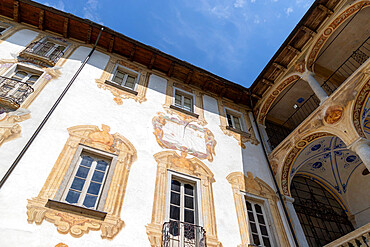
(329, 160)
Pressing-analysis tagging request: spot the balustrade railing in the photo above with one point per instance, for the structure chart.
(182, 234)
(357, 238)
(346, 69)
(13, 92)
(49, 54)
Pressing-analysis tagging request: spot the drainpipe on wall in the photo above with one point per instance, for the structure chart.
(37, 131)
(273, 175)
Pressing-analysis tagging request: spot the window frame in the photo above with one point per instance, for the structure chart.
(56, 43)
(264, 204)
(237, 115)
(13, 70)
(6, 27)
(126, 71)
(70, 174)
(197, 196)
(183, 93)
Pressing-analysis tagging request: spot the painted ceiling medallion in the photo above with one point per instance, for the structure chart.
(333, 114)
(185, 136)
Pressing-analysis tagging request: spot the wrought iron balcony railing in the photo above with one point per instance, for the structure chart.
(345, 70)
(13, 92)
(42, 53)
(182, 234)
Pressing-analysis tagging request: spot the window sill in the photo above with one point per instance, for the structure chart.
(184, 111)
(91, 213)
(113, 84)
(238, 131)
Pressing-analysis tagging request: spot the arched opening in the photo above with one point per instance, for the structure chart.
(327, 182)
(293, 105)
(346, 48)
(322, 217)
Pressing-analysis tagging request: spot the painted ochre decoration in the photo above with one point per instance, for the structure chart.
(194, 167)
(172, 133)
(333, 114)
(78, 225)
(255, 186)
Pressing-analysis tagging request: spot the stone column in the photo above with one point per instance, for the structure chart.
(315, 86)
(265, 137)
(362, 148)
(295, 222)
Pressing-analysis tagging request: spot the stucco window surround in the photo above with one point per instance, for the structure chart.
(170, 164)
(246, 134)
(106, 217)
(255, 190)
(110, 80)
(45, 51)
(197, 112)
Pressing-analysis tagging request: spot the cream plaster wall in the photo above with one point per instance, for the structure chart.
(86, 104)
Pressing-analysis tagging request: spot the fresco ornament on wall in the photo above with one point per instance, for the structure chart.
(187, 137)
(75, 224)
(9, 127)
(333, 114)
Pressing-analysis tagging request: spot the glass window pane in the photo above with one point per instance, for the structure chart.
(175, 185)
(174, 213)
(33, 79)
(98, 176)
(101, 165)
(82, 172)
(251, 216)
(249, 206)
(261, 220)
(189, 202)
(256, 240)
(86, 161)
(175, 198)
(229, 121)
(130, 82)
(20, 75)
(90, 201)
(237, 123)
(177, 99)
(189, 216)
(189, 189)
(72, 196)
(258, 208)
(94, 188)
(266, 242)
(78, 184)
(253, 227)
(263, 230)
(118, 77)
(174, 228)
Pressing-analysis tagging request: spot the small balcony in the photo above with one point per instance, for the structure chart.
(13, 93)
(42, 53)
(182, 234)
(357, 238)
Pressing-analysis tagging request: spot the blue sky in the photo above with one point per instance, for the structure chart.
(233, 39)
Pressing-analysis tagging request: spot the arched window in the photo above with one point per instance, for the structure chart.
(321, 216)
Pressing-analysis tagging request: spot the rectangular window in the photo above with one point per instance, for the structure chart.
(184, 100)
(49, 49)
(258, 225)
(234, 120)
(87, 180)
(85, 185)
(125, 78)
(183, 214)
(4, 27)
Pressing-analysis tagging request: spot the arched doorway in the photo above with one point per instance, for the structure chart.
(322, 218)
(327, 182)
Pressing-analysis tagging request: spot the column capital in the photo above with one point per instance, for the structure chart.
(359, 143)
(307, 75)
